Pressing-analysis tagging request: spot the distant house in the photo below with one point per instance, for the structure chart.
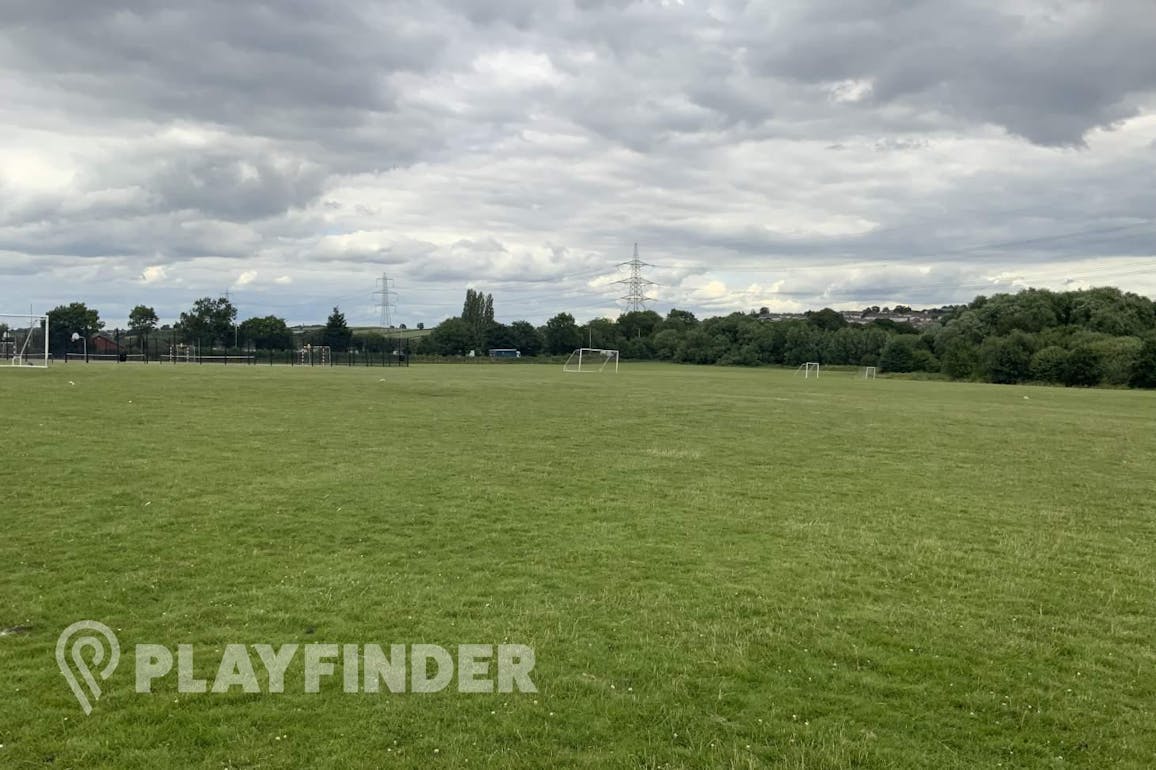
(103, 343)
(505, 353)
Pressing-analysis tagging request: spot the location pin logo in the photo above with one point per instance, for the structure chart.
(101, 643)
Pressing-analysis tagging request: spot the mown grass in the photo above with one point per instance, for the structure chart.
(716, 567)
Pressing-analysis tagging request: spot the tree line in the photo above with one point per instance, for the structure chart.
(1100, 336)
(211, 322)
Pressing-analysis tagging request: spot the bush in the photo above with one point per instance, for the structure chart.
(899, 354)
(1049, 364)
(1144, 368)
(1007, 359)
(959, 360)
(1083, 368)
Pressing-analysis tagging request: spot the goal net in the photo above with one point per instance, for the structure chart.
(808, 370)
(591, 360)
(23, 340)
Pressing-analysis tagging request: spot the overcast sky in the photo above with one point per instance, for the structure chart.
(793, 154)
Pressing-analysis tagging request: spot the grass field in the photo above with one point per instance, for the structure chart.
(716, 567)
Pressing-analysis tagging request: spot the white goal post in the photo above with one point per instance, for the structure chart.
(24, 340)
(868, 372)
(591, 360)
(809, 369)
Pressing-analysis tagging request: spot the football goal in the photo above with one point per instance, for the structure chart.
(24, 340)
(809, 370)
(868, 372)
(591, 360)
(313, 355)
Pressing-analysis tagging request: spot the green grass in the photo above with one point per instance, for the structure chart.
(716, 567)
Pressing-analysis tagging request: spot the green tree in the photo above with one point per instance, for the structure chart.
(266, 333)
(526, 338)
(209, 322)
(1117, 358)
(1049, 364)
(336, 334)
(679, 320)
(638, 324)
(66, 320)
(1144, 369)
(601, 333)
(478, 313)
(452, 337)
(1007, 359)
(562, 335)
(826, 319)
(899, 354)
(666, 343)
(1083, 367)
(142, 321)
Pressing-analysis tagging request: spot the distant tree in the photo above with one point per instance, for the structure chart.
(638, 323)
(1144, 369)
(600, 333)
(478, 313)
(1007, 359)
(74, 318)
(266, 333)
(498, 336)
(666, 343)
(142, 321)
(209, 322)
(452, 337)
(899, 354)
(1117, 357)
(1111, 311)
(526, 338)
(562, 335)
(372, 342)
(1049, 364)
(420, 325)
(893, 327)
(1083, 367)
(680, 320)
(336, 334)
(826, 319)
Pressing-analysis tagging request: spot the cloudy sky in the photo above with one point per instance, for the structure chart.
(793, 154)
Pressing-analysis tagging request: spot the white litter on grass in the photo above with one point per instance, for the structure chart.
(1027, 398)
(70, 382)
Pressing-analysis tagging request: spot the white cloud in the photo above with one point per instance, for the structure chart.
(154, 274)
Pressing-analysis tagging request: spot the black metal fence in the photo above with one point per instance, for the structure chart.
(192, 354)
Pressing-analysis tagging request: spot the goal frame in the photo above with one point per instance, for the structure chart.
(869, 372)
(20, 356)
(806, 369)
(576, 363)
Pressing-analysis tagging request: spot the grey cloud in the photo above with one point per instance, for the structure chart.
(231, 187)
(526, 143)
(1050, 76)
